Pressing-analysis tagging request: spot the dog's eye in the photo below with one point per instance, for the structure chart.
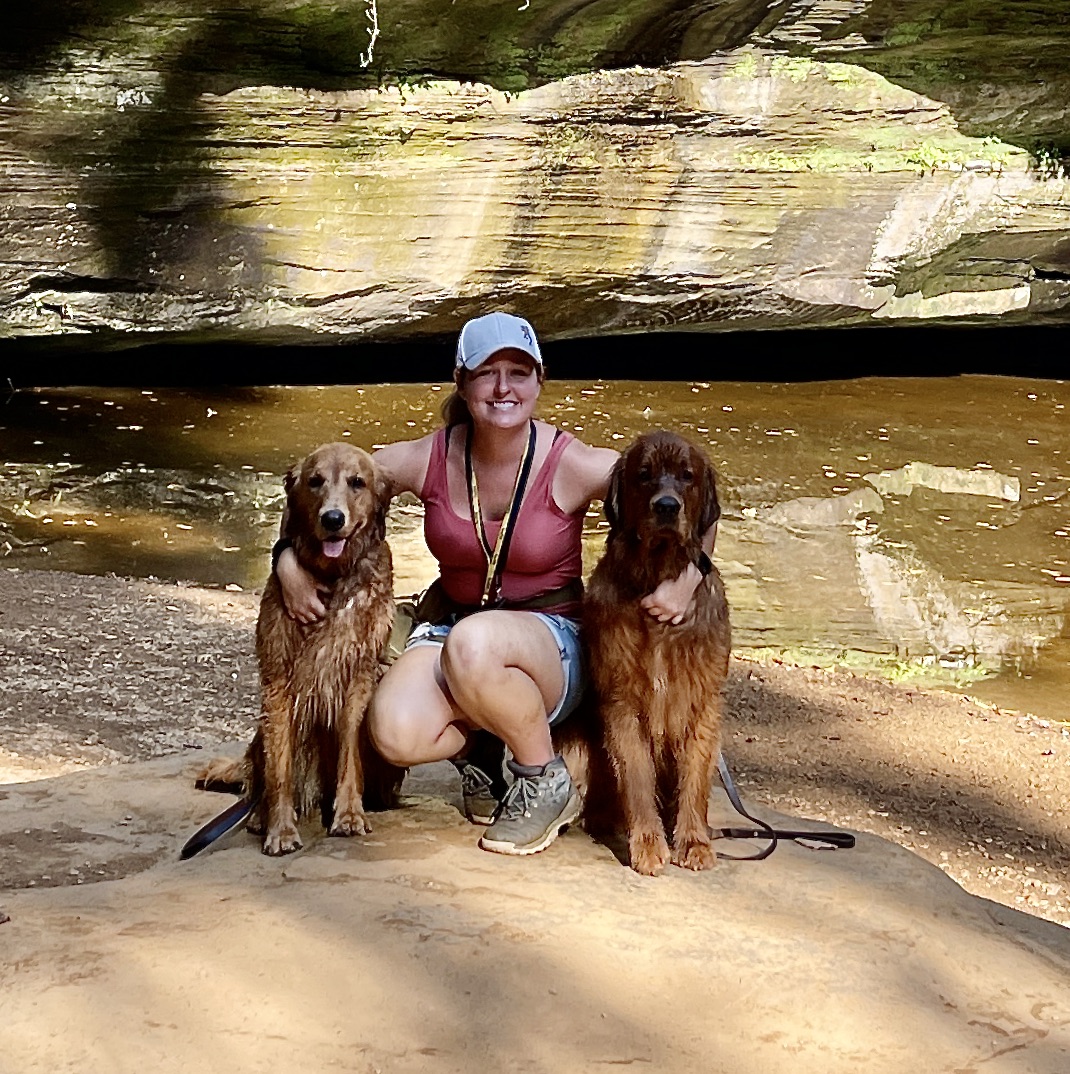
(645, 473)
(357, 483)
(687, 475)
(316, 481)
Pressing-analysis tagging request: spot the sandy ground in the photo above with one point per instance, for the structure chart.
(410, 950)
(99, 671)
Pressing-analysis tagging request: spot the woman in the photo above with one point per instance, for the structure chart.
(465, 686)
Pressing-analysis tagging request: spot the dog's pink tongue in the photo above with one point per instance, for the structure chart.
(333, 549)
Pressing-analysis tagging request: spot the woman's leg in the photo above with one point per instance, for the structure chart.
(412, 718)
(506, 671)
(503, 671)
(497, 670)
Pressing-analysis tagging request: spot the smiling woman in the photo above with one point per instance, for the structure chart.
(504, 498)
(499, 365)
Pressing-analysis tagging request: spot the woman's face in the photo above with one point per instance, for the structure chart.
(503, 391)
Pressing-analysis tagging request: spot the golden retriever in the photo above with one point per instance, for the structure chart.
(657, 686)
(309, 753)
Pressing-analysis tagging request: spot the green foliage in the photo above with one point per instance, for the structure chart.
(954, 673)
(745, 67)
(1049, 162)
(989, 152)
(888, 151)
(909, 33)
(795, 68)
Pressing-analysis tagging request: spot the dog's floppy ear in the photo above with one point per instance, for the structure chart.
(288, 482)
(612, 500)
(382, 489)
(711, 508)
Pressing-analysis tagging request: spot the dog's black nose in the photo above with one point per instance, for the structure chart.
(667, 507)
(332, 520)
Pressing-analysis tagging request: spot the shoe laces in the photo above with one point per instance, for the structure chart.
(520, 797)
(475, 781)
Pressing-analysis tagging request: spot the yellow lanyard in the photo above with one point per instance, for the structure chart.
(497, 555)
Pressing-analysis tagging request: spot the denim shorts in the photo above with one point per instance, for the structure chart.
(566, 633)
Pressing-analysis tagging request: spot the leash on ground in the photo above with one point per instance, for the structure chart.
(217, 827)
(827, 839)
(237, 811)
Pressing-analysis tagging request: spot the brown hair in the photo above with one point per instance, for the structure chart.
(454, 408)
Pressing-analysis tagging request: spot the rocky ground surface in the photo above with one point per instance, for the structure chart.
(99, 671)
(410, 951)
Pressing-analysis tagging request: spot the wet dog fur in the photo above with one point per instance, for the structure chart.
(310, 753)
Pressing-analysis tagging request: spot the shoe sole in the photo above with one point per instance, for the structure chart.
(568, 815)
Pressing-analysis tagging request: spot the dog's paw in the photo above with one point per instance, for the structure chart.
(350, 822)
(649, 853)
(281, 840)
(695, 855)
(223, 774)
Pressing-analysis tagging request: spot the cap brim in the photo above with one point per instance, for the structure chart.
(474, 361)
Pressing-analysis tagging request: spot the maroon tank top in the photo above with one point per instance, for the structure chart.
(544, 553)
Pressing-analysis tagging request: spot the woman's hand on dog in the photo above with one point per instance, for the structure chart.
(671, 602)
(301, 595)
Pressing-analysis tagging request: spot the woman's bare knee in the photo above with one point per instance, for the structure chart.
(391, 734)
(410, 721)
(468, 652)
(486, 660)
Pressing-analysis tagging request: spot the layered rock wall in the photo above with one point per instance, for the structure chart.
(141, 195)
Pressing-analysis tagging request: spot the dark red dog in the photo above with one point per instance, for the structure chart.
(658, 686)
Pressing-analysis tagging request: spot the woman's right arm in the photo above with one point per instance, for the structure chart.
(404, 466)
(302, 596)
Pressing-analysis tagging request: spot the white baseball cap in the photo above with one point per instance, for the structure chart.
(484, 336)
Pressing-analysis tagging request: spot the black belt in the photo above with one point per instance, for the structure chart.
(569, 593)
(434, 606)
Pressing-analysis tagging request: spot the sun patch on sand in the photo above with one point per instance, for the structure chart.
(16, 769)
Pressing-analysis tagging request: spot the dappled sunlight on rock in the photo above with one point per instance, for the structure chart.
(749, 189)
(843, 961)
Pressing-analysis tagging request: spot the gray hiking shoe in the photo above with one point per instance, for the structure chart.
(477, 789)
(483, 784)
(534, 811)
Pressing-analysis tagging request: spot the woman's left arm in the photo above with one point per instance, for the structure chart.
(671, 601)
(582, 476)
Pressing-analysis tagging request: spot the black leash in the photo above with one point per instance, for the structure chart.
(218, 826)
(237, 811)
(833, 840)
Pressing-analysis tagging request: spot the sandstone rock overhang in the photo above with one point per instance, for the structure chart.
(158, 193)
